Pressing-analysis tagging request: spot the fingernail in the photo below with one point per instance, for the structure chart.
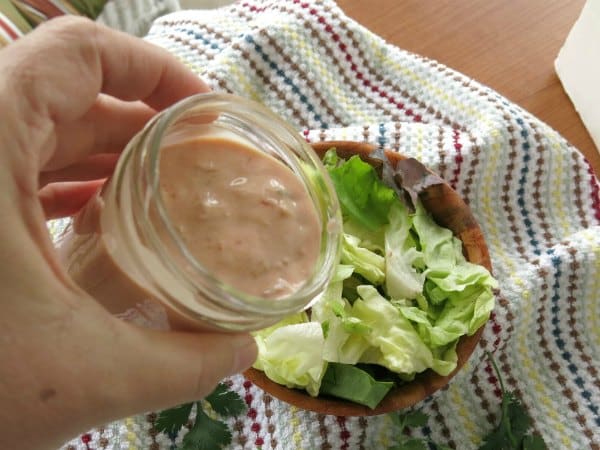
(245, 352)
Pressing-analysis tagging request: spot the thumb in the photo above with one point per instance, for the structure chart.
(162, 369)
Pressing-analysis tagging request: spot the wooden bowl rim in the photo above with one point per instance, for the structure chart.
(425, 383)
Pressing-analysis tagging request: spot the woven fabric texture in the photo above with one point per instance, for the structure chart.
(534, 195)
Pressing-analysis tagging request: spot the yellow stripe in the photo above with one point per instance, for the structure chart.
(593, 316)
(384, 438)
(419, 143)
(464, 413)
(295, 422)
(131, 435)
(315, 62)
(496, 240)
(562, 214)
(248, 88)
(440, 93)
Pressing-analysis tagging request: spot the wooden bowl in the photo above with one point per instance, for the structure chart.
(449, 210)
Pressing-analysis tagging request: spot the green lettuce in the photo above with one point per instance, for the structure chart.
(401, 298)
(354, 384)
(394, 342)
(344, 342)
(402, 279)
(365, 262)
(461, 290)
(290, 353)
(362, 195)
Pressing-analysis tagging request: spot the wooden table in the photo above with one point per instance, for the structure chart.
(508, 45)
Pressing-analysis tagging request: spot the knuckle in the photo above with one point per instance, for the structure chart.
(69, 25)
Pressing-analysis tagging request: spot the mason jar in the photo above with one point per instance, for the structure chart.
(125, 250)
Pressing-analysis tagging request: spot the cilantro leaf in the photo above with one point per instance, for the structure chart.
(518, 419)
(534, 442)
(511, 432)
(226, 402)
(411, 419)
(411, 444)
(206, 434)
(171, 420)
(496, 440)
(415, 419)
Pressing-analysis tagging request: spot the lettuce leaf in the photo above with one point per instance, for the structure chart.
(402, 280)
(398, 345)
(363, 196)
(354, 384)
(344, 342)
(365, 262)
(461, 290)
(290, 353)
(369, 239)
(401, 298)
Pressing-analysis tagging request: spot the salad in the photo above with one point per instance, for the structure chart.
(402, 296)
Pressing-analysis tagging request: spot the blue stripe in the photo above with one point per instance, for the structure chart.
(192, 33)
(560, 343)
(522, 182)
(199, 36)
(382, 139)
(280, 73)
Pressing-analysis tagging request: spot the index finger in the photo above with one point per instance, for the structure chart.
(160, 79)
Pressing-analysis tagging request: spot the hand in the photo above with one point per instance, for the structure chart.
(72, 94)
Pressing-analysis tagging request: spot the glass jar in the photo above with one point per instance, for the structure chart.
(123, 249)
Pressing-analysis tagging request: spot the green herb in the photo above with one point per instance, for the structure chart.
(226, 402)
(205, 433)
(510, 434)
(512, 431)
(171, 420)
(413, 419)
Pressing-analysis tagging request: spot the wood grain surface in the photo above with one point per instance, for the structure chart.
(448, 209)
(508, 45)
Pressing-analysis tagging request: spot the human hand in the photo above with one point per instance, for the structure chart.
(72, 94)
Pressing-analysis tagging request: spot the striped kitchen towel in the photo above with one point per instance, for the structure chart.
(534, 195)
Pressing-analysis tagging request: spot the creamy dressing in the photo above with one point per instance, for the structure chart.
(242, 214)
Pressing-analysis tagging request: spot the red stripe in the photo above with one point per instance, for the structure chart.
(458, 158)
(6, 27)
(360, 76)
(595, 191)
(252, 414)
(344, 433)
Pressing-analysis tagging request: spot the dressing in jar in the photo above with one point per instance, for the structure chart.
(218, 216)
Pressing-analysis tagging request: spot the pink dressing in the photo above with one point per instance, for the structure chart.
(241, 213)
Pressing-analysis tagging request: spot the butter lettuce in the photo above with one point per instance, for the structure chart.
(354, 384)
(362, 195)
(397, 344)
(364, 261)
(290, 353)
(401, 298)
(402, 259)
(343, 332)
